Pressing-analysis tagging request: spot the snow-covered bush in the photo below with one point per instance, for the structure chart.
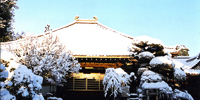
(51, 97)
(162, 63)
(146, 55)
(141, 70)
(179, 95)
(4, 93)
(179, 75)
(27, 83)
(46, 56)
(20, 81)
(116, 81)
(151, 80)
(144, 58)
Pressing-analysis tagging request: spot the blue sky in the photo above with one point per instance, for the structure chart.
(172, 21)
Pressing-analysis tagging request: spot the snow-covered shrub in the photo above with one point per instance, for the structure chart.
(144, 58)
(162, 63)
(179, 75)
(141, 70)
(4, 93)
(116, 81)
(51, 97)
(179, 95)
(21, 81)
(46, 56)
(146, 55)
(151, 80)
(150, 76)
(28, 84)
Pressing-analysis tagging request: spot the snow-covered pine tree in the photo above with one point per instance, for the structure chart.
(139, 46)
(151, 80)
(46, 56)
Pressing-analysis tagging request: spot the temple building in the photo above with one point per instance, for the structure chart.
(96, 47)
(191, 67)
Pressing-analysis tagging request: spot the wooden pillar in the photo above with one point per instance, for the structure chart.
(156, 94)
(86, 83)
(147, 94)
(99, 81)
(73, 82)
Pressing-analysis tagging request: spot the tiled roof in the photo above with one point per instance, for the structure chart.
(91, 38)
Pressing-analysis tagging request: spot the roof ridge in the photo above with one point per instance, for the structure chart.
(85, 21)
(115, 31)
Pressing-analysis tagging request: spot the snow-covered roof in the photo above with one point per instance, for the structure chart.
(187, 63)
(192, 72)
(174, 49)
(91, 38)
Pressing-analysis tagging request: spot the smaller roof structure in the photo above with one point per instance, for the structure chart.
(189, 65)
(174, 49)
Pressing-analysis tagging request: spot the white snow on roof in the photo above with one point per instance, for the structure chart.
(174, 49)
(93, 39)
(191, 71)
(148, 39)
(187, 63)
(179, 63)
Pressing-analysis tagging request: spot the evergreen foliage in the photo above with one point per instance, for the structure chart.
(156, 49)
(6, 19)
(184, 52)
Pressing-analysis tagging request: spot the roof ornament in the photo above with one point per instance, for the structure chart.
(77, 19)
(47, 28)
